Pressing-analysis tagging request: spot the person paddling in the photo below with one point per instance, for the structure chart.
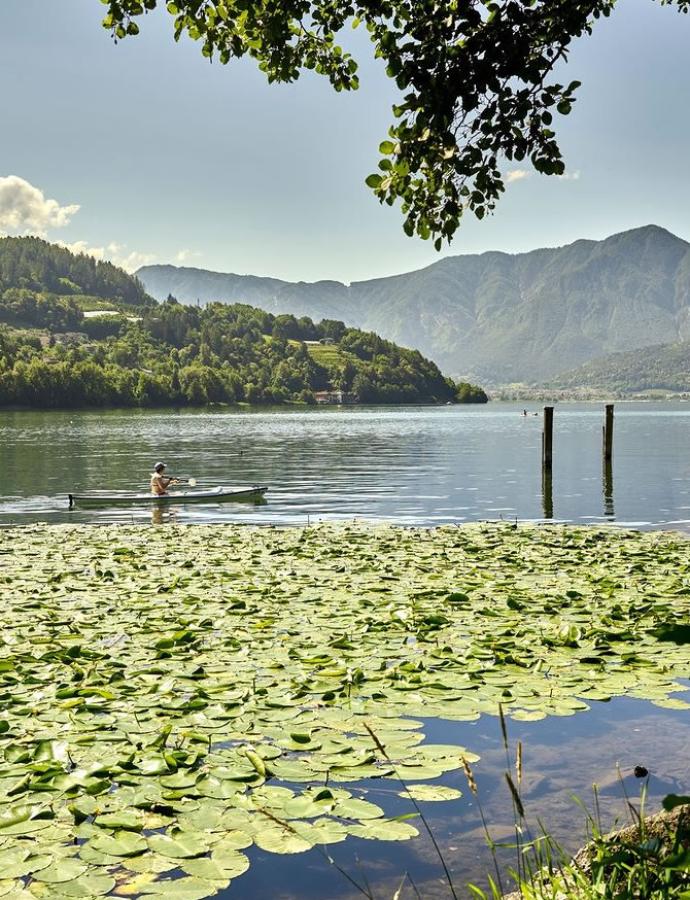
(160, 481)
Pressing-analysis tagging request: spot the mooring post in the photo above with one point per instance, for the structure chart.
(547, 492)
(607, 484)
(547, 438)
(608, 433)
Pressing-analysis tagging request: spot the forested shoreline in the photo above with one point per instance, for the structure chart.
(143, 353)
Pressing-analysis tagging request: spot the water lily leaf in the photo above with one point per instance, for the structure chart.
(13, 890)
(19, 864)
(150, 863)
(97, 858)
(181, 845)
(322, 831)
(278, 839)
(232, 840)
(430, 792)
(197, 702)
(353, 808)
(305, 807)
(123, 843)
(134, 885)
(384, 830)
(527, 715)
(124, 820)
(23, 819)
(61, 870)
(180, 889)
(671, 703)
(88, 885)
(205, 868)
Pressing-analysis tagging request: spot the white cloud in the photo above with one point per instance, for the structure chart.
(517, 175)
(24, 208)
(114, 253)
(82, 247)
(133, 260)
(570, 176)
(185, 255)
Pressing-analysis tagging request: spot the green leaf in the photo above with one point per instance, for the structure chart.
(180, 845)
(122, 843)
(430, 792)
(61, 870)
(384, 830)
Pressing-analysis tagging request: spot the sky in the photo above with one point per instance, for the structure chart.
(143, 152)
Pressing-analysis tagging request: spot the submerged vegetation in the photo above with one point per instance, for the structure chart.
(167, 705)
(147, 354)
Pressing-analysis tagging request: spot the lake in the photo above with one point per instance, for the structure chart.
(410, 465)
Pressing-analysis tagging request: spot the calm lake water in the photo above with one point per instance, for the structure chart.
(411, 465)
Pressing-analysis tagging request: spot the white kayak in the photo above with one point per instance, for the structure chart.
(127, 498)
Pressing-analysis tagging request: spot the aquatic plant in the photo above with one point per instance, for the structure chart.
(169, 697)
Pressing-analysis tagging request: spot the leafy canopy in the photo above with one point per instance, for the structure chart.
(475, 78)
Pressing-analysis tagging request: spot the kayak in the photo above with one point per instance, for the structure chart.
(126, 498)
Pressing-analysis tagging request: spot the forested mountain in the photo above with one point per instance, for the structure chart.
(52, 355)
(35, 265)
(661, 367)
(495, 316)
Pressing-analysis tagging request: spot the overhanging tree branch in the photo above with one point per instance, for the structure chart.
(474, 77)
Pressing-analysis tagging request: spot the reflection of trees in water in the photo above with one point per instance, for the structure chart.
(54, 452)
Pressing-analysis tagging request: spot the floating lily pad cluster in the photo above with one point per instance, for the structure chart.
(171, 697)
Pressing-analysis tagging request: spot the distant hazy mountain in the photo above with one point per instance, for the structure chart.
(662, 367)
(494, 316)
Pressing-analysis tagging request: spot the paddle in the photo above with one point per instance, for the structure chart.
(190, 481)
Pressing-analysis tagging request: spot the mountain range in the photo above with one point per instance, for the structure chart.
(497, 317)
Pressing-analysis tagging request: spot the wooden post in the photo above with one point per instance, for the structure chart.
(607, 484)
(547, 439)
(608, 433)
(547, 492)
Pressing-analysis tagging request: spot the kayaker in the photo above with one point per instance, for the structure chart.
(159, 481)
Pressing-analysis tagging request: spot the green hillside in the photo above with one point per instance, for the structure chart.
(662, 367)
(497, 317)
(150, 354)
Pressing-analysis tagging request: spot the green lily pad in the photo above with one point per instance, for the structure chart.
(181, 845)
(61, 870)
(123, 843)
(180, 889)
(430, 792)
(216, 699)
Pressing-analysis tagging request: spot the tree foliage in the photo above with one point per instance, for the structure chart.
(36, 265)
(181, 355)
(161, 354)
(476, 79)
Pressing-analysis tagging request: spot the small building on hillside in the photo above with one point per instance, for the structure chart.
(334, 397)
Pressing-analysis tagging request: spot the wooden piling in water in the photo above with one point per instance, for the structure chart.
(607, 486)
(547, 493)
(608, 433)
(547, 439)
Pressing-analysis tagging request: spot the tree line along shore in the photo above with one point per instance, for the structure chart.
(75, 332)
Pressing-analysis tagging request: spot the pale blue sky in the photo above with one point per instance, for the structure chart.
(168, 155)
